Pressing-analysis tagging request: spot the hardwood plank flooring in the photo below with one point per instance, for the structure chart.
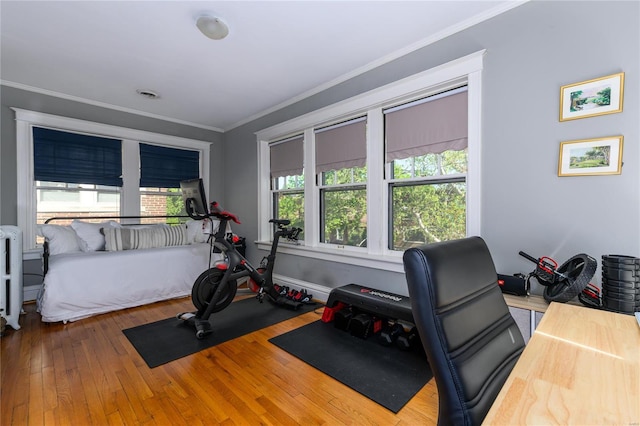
(87, 373)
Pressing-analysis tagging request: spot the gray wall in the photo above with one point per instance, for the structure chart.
(532, 51)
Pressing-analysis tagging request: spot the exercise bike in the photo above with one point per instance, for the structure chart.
(216, 287)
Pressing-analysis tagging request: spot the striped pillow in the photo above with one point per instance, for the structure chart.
(124, 238)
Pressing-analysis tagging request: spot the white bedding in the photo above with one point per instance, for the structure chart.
(81, 284)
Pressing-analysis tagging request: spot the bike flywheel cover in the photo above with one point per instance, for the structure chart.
(206, 285)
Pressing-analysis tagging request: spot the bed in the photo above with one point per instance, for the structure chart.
(93, 268)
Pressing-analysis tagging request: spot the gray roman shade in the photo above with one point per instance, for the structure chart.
(342, 145)
(287, 157)
(431, 125)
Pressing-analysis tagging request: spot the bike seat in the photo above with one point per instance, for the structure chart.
(283, 222)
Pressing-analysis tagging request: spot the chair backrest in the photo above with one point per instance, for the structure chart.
(471, 340)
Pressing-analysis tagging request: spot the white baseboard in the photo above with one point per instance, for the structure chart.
(30, 293)
(319, 292)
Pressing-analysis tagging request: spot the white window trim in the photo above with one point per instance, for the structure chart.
(466, 70)
(130, 202)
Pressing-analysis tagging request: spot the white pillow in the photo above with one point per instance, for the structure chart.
(91, 239)
(60, 239)
(198, 230)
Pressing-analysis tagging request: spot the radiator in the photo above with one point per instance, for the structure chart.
(11, 295)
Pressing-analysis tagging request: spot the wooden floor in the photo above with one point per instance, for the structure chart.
(87, 373)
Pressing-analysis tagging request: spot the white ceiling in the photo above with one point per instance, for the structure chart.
(100, 52)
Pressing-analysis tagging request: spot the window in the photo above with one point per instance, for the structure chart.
(55, 179)
(161, 170)
(75, 174)
(341, 153)
(287, 180)
(160, 202)
(71, 199)
(426, 149)
(409, 174)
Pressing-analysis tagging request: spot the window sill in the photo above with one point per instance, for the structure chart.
(386, 262)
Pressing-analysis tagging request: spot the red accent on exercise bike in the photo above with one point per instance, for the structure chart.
(222, 214)
(222, 266)
(254, 286)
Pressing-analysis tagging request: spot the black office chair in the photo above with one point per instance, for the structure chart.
(471, 340)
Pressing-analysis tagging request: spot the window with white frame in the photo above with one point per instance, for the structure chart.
(418, 180)
(76, 174)
(161, 170)
(426, 153)
(51, 182)
(287, 180)
(341, 154)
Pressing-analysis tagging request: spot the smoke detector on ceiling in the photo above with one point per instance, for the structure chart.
(149, 94)
(212, 27)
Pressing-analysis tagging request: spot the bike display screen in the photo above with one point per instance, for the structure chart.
(194, 197)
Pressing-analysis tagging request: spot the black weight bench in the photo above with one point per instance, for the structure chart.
(377, 302)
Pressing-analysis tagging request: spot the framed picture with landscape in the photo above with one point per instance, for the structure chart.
(592, 97)
(591, 157)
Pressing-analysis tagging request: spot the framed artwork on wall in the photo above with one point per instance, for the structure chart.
(602, 156)
(592, 97)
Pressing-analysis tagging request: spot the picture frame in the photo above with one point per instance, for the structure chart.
(591, 98)
(600, 156)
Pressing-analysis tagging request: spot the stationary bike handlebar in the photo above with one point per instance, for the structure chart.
(217, 212)
(223, 215)
(214, 211)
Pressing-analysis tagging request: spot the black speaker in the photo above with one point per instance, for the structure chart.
(511, 284)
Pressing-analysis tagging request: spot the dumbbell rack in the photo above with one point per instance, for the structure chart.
(376, 302)
(351, 306)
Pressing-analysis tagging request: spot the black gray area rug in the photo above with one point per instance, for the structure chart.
(384, 374)
(170, 339)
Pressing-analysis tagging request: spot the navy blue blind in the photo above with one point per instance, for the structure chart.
(162, 167)
(74, 158)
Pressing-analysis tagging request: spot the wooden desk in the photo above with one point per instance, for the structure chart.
(581, 367)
